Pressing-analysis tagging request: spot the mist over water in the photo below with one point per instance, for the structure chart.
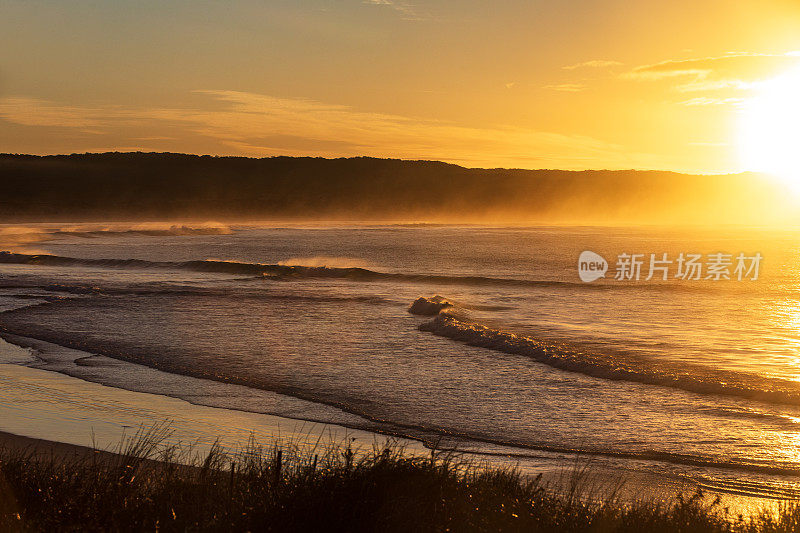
(685, 378)
(137, 186)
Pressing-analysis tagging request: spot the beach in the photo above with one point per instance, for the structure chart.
(292, 332)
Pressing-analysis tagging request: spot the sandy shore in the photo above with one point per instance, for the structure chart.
(46, 405)
(40, 447)
(50, 413)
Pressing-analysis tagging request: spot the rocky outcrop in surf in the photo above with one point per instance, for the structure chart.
(429, 306)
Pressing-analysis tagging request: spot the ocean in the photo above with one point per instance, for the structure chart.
(509, 353)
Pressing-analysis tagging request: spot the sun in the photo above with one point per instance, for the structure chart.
(769, 129)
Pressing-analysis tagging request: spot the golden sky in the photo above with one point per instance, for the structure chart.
(568, 84)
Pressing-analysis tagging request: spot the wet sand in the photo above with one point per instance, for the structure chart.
(64, 417)
(17, 444)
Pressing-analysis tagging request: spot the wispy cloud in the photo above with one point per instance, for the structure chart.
(717, 80)
(736, 68)
(567, 87)
(260, 125)
(703, 84)
(705, 100)
(594, 63)
(408, 11)
(708, 144)
(35, 112)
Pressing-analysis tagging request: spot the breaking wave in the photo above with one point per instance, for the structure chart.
(564, 357)
(40, 233)
(23, 239)
(283, 271)
(53, 292)
(324, 261)
(148, 230)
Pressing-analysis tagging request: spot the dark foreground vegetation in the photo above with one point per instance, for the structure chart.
(144, 488)
(135, 186)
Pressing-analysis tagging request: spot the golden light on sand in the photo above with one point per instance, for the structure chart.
(769, 129)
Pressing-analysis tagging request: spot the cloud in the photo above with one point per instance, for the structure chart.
(705, 100)
(33, 112)
(702, 83)
(240, 123)
(706, 144)
(734, 70)
(594, 63)
(717, 80)
(567, 87)
(408, 11)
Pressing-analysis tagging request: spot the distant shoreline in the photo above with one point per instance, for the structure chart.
(168, 186)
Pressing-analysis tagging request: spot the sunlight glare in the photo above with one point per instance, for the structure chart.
(769, 130)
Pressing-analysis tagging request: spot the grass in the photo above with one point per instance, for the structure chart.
(148, 486)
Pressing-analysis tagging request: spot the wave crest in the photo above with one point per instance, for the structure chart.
(282, 270)
(563, 357)
(324, 261)
(148, 230)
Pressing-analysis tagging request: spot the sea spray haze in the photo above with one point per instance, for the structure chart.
(152, 186)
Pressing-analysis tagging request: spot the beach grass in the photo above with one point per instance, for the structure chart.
(147, 485)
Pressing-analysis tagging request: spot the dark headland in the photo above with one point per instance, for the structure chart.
(160, 186)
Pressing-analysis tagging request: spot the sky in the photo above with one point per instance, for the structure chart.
(572, 84)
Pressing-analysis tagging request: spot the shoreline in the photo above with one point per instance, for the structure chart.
(48, 406)
(51, 413)
(9, 442)
(334, 489)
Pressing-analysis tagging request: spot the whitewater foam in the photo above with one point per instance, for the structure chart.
(324, 261)
(284, 271)
(612, 367)
(148, 229)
